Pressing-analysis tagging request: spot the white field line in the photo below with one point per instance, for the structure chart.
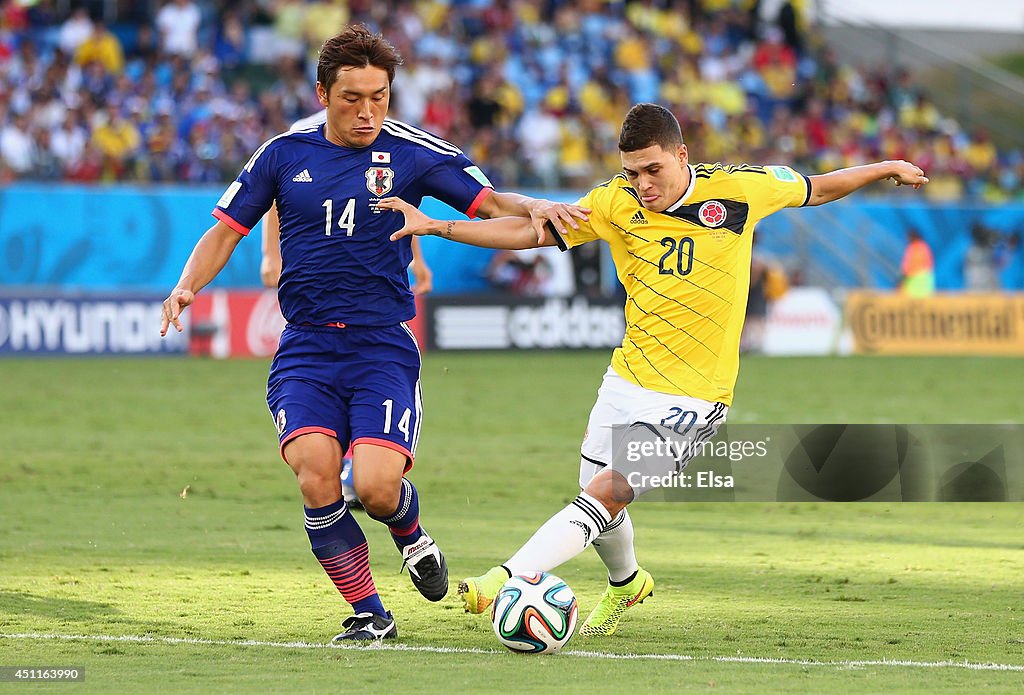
(144, 639)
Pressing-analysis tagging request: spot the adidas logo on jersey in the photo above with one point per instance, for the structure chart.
(638, 218)
(303, 177)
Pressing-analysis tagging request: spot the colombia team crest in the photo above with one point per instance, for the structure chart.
(712, 213)
(379, 180)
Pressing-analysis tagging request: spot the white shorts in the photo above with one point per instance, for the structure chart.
(621, 403)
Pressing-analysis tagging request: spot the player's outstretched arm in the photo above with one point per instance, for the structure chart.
(210, 254)
(497, 233)
(540, 212)
(834, 185)
(270, 263)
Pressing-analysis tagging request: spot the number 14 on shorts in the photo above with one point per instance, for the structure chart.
(403, 422)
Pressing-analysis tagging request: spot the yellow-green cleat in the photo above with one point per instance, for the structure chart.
(616, 600)
(478, 592)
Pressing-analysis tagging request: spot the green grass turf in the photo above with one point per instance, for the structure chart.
(1014, 62)
(96, 538)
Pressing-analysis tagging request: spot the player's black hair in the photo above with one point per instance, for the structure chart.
(647, 125)
(356, 47)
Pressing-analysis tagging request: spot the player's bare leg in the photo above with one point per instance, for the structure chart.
(316, 460)
(335, 537)
(612, 490)
(390, 498)
(377, 476)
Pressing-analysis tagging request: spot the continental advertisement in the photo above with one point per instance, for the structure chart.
(944, 324)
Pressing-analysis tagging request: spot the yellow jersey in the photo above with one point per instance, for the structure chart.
(686, 271)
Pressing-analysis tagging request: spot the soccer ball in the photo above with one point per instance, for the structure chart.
(534, 613)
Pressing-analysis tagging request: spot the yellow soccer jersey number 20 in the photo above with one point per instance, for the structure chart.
(686, 272)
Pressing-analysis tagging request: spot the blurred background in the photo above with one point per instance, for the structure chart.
(122, 122)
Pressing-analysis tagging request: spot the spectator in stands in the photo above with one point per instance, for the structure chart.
(45, 164)
(443, 113)
(161, 162)
(117, 140)
(89, 168)
(178, 23)
(25, 68)
(752, 337)
(981, 273)
(75, 30)
(789, 23)
(921, 115)
(68, 139)
(535, 272)
(575, 162)
(773, 51)
(980, 153)
(768, 282)
(289, 25)
(917, 267)
(43, 14)
(96, 82)
(511, 272)
(483, 107)
(745, 97)
(414, 85)
(146, 49)
(1010, 262)
(101, 47)
(17, 149)
(230, 43)
(540, 136)
(321, 22)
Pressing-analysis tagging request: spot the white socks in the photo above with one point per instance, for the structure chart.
(564, 536)
(615, 546)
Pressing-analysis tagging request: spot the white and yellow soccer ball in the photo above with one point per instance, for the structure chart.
(534, 613)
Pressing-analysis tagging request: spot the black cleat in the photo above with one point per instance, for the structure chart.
(366, 627)
(427, 568)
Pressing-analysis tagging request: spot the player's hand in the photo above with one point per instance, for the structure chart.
(560, 215)
(908, 174)
(270, 270)
(415, 221)
(172, 308)
(422, 278)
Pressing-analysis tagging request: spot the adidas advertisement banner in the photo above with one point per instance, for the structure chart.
(501, 322)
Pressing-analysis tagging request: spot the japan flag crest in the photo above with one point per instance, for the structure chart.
(379, 180)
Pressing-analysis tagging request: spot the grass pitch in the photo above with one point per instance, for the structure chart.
(152, 535)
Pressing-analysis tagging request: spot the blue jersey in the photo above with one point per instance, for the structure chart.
(338, 262)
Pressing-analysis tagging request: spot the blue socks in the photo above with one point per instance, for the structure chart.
(404, 523)
(340, 546)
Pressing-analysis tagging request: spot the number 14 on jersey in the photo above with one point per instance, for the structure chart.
(347, 220)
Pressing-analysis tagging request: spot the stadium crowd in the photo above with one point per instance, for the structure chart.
(185, 90)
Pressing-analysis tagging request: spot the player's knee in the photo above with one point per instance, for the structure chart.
(380, 500)
(316, 462)
(319, 486)
(611, 490)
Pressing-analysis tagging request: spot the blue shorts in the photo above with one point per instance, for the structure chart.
(360, 384)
